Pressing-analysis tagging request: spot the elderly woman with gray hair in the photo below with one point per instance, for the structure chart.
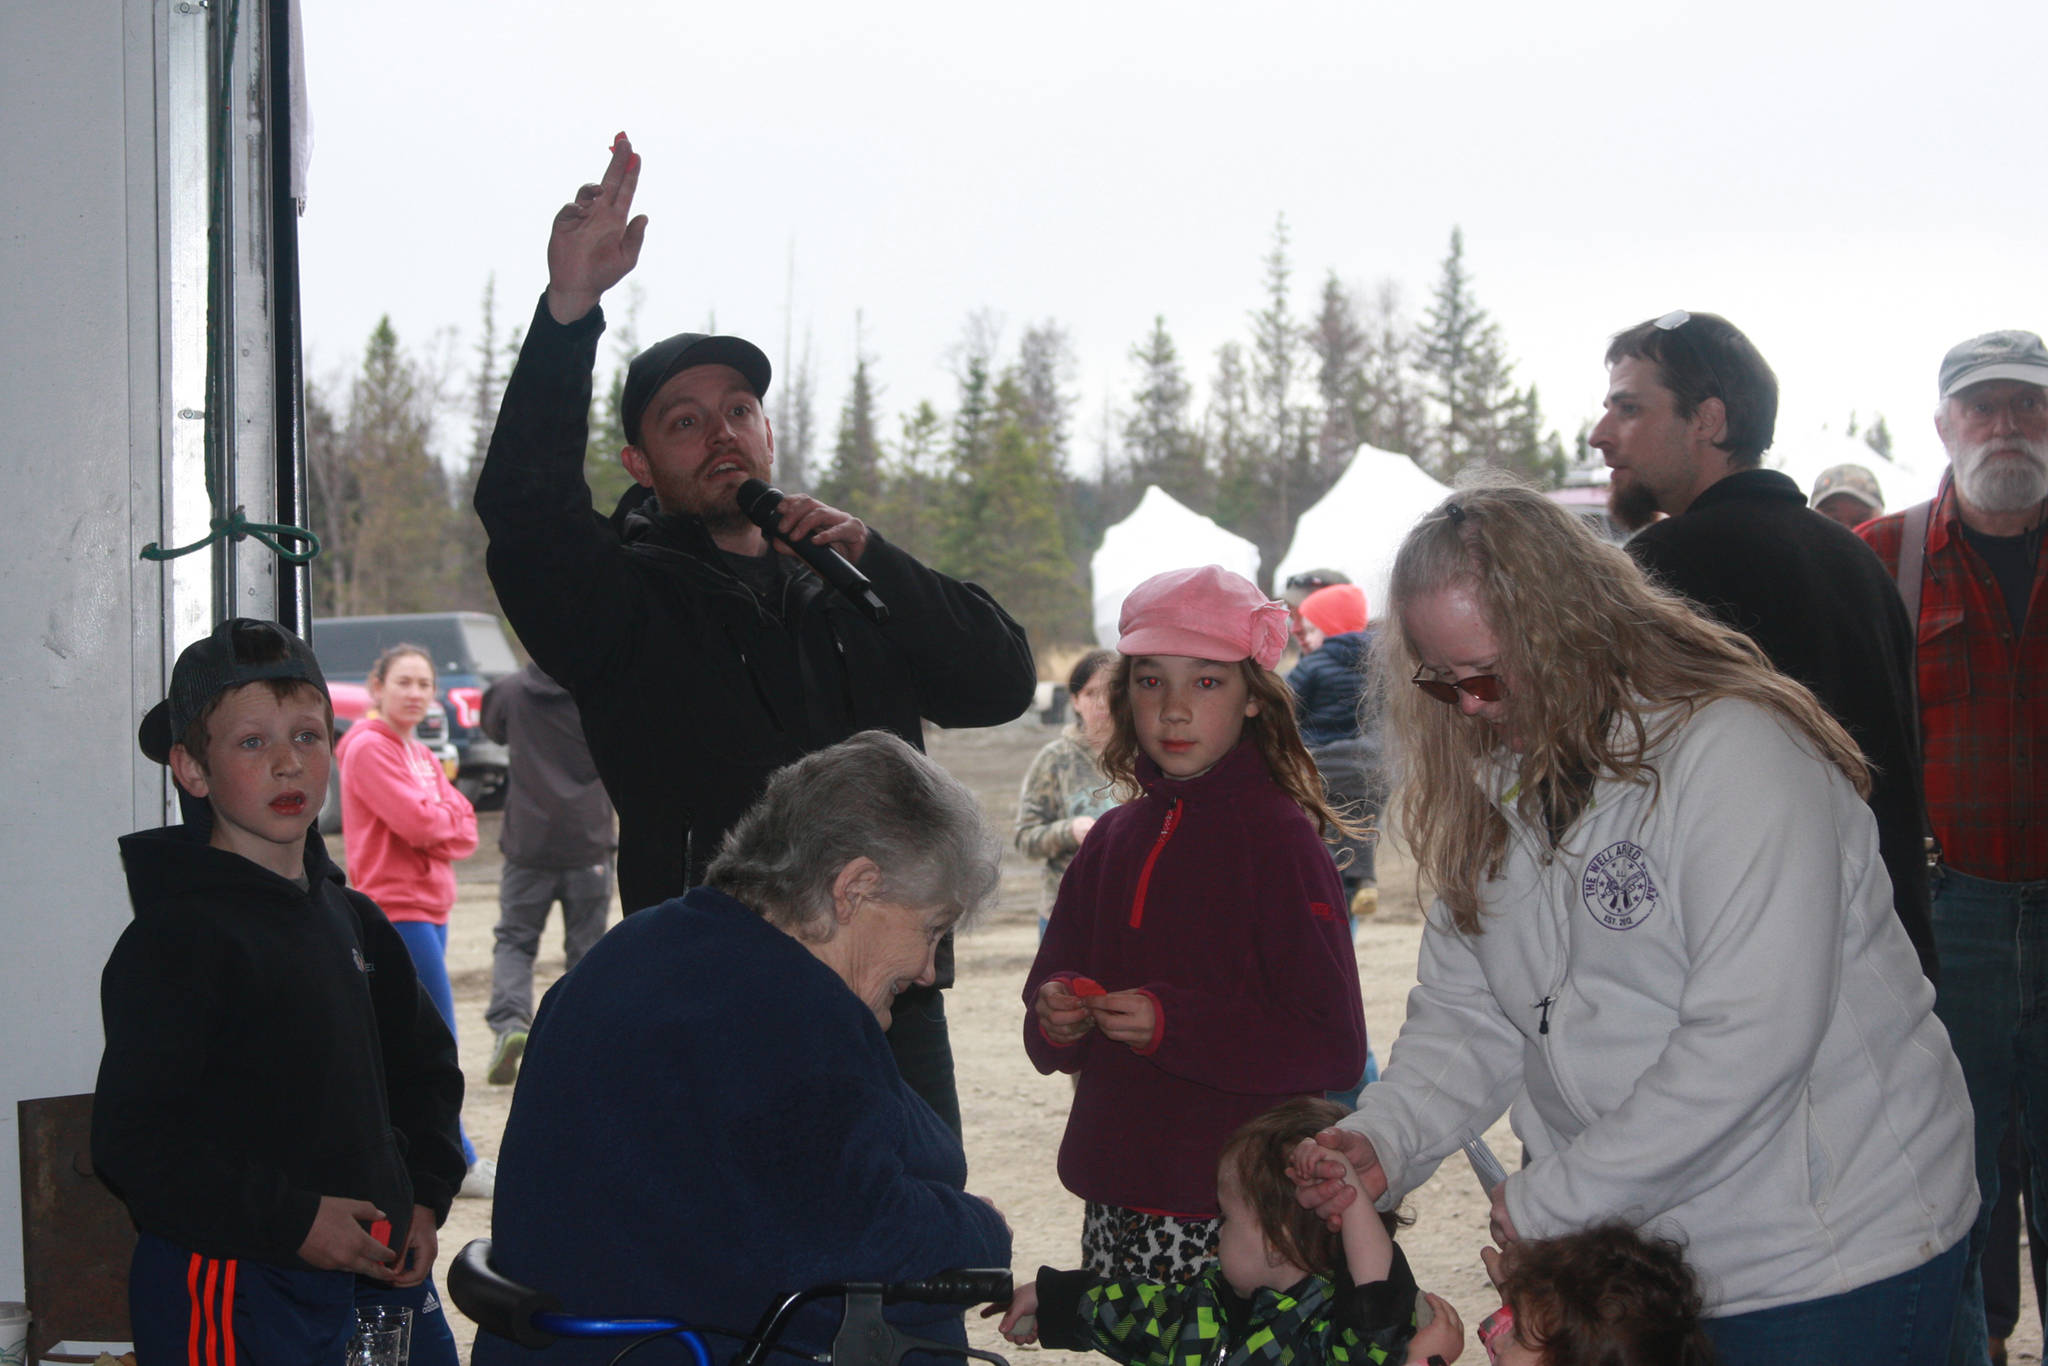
(709, 1115)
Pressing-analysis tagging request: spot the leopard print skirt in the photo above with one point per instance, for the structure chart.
(1122, 1243)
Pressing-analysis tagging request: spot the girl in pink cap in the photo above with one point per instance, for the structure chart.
(1197, 968)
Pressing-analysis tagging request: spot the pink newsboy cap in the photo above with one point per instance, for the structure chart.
(1207, 613)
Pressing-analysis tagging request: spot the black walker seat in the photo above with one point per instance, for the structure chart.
(534, 1318)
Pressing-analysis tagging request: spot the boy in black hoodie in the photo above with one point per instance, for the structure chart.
(277, 1100)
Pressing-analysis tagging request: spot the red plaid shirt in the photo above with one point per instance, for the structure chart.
(1983, 702)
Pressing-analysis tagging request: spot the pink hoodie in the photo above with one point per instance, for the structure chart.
(402, 823)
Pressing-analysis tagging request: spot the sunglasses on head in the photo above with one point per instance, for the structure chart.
(1674, 323)
(1483, 687)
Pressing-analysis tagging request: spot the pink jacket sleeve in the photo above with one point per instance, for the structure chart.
(441, 825)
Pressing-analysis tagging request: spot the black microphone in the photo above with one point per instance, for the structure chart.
(761, 504)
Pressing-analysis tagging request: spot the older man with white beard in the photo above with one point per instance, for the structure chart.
(1970, 567)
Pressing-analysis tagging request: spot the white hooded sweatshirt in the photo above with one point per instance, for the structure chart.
(1707, 1019)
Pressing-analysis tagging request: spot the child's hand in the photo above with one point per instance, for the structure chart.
(1062, 1017)
(339, 1242)
(1311, 1162)
(1128, 1017)
(1443, 1336)
(1499, 1222)
(1330, 1182)
(1020, 1315)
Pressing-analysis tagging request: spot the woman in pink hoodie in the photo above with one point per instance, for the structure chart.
(404, 826)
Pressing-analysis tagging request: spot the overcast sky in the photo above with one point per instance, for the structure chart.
(1856, 186)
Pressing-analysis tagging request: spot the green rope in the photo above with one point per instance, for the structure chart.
(238, 527)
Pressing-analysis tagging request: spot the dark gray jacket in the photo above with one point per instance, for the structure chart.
(556, 812)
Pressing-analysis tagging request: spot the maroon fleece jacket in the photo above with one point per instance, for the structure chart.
(1215, 895)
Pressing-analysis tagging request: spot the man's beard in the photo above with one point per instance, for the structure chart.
(724, 516)
(2005, 485)
(1632, 505)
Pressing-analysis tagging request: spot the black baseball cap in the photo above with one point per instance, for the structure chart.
(653, 367)
(240, 650)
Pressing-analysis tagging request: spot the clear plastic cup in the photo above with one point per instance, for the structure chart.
(382, 1337)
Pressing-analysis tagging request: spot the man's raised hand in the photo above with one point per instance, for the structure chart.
(594, 243)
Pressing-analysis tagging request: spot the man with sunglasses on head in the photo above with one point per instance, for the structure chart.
(1691, 408)
(1974, 579)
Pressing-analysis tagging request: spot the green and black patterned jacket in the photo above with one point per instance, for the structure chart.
(1206, 1323)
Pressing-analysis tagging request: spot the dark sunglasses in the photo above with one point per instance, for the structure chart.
(1484, 687)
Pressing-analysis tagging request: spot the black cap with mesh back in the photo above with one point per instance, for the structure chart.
(653, 368)
(210, 667)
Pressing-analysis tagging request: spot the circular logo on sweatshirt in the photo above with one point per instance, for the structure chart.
(1617, 886)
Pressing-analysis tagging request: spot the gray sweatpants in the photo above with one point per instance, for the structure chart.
(524, 896)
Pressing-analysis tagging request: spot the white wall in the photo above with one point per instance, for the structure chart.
(81, 650)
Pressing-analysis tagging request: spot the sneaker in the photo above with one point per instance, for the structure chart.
(505, 1057)
(1364, 902)
(482, 1181)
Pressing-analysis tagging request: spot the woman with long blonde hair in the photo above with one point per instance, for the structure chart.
(1663, 932)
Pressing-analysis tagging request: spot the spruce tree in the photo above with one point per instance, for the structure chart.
(914, 489)
(1045, 364)
(796, 424)
(1159, 447)
(1391, 408)
(381, 503)
(1007, 527)
(856, 473)
(1461, 365)
(469, 580)
(1340, 345)
(1234, 436)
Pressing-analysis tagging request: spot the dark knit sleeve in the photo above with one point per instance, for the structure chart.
(1380, 1314)
(554, 562)
(1129, 1321)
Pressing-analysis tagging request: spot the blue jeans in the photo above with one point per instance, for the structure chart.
(428, 945)
(1900, 1321)
(1992, 938)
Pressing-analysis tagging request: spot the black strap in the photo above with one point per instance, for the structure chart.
(1912, 567)
(1912, 561)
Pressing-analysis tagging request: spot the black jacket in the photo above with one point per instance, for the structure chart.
(1815, 599)
(693, 689)
(1327, 684)
(265, 1047)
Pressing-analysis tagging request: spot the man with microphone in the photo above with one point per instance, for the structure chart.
(700, 658)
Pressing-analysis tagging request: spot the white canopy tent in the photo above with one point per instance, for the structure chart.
(1161, 533)
(1358, 525)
